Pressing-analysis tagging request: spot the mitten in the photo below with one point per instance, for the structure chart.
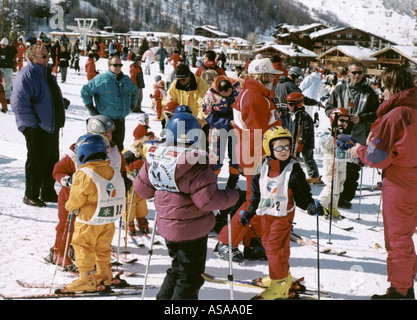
(66, 181)
(246, 217)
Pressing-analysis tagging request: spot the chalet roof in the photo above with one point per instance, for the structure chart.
(356, 52)
(214, 30)
(331, 30)
(288, 50)
(409, 52)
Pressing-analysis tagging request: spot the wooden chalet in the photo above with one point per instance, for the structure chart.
(397, 56)
(339, 57)
(287, 34)
(209, 32)
(292, 54)
(325, 39)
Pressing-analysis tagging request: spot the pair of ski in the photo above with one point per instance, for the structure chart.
(297, 291)
(313, 244)
(119, 288)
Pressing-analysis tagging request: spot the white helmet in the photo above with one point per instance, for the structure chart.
(4, 41)
(100, 124)
(143, 119)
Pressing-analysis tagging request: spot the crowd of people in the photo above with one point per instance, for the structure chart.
(261, 119)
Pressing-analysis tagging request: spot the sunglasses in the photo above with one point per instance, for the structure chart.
(343, 120)
(44, 56)
(291, 103)
(117, 65)
(182, 79)
(356, 72)
(383, 88)
(281, 148)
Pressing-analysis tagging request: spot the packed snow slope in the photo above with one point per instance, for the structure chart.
(27, 233)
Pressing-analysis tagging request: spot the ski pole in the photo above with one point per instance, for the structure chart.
(70, 216)
(150, 251)
(128, 219)
(117, 263)
(360, 196)
(332, 187)
(230, 276)
(318, 252)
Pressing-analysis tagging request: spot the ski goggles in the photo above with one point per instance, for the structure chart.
(281, 148)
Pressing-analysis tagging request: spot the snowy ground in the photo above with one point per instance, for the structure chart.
(27, 232)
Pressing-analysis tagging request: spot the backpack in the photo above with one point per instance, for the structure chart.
(209, 75)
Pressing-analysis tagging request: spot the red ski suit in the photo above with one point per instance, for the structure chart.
(254, 113)
(392, 149)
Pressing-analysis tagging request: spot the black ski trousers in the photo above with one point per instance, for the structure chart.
(351, 183)
(42, 154)
(183, 280)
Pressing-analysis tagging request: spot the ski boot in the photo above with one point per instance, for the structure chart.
(131, 228)
(143, 225)
(255, 251)
(335, 213)
(85, 283)
(55, 256)
(223, 251)
(393, 294)
(278, 289)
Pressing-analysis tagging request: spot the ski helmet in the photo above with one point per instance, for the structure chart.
(143, 119)
(272, 134)
(169, 109)
(334, 116)
(100, 124)
(183, 128)
(296, 98)
(91, 147)
(296, 72)
(183, 108)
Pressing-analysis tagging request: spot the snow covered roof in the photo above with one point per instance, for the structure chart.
(214, 30)
(356, 52)
(409, 52)
(323, 32)
(289, 50)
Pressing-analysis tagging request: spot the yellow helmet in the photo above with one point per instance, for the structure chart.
(273, 133)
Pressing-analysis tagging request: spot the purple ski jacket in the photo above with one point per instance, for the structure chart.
(186, 215)
(32, 100)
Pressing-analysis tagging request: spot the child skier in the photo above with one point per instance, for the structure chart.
(63, 173)
(158, 96)
(185, 192)
(276, 189)
(339, 124)
(301, 126)
(98, 195)
(134, 161)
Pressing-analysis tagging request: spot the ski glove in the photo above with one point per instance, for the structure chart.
(246, 217)
(315, 209)
(66, 181)
(345, 142)
(93, 111)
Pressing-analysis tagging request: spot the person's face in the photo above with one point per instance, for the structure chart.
(386, 92)
(41, 56)
(185, 81)
(115, 66)
(355, 74)
(343, 121)
(281, 149)
(108, 135)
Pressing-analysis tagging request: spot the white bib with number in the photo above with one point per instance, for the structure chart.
(274, 192)
(111, 198)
